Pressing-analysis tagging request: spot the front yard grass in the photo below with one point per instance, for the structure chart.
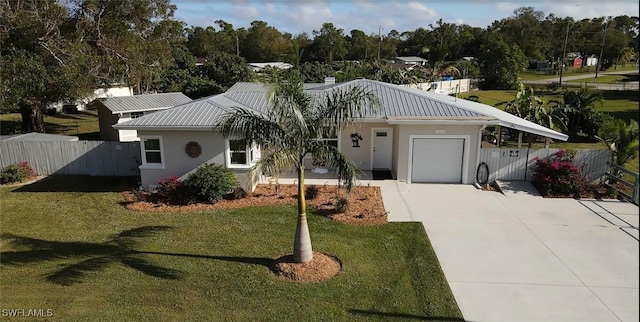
(124, 265)
(83, 124)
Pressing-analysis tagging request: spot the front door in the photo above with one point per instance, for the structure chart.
(381, 148)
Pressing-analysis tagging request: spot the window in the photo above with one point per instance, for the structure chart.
(330, 138)
(151, 151)
(135, 115)
(241, 153)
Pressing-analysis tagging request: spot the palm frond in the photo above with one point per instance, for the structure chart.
(343, 106)
(253, 127)
(346, 170)
(274, 162)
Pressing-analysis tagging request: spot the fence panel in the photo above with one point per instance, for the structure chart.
(96, 158)
(515, 164)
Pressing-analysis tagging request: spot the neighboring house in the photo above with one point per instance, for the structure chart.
(420, 136)
(81, 104)
(257, 67)
(35, 136)
(201, 61)
(411, 60)
(114, 110)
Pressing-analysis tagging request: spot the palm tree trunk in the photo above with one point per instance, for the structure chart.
(302, 252)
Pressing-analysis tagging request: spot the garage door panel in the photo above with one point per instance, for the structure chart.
(437, 160)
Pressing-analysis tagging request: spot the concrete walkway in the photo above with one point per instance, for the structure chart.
(521, 257)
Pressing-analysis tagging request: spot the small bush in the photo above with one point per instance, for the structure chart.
(557, 175)
(341, 205)
(236, 193)
(211, 182)
(311, 192)
(173, 191)
(16, 172)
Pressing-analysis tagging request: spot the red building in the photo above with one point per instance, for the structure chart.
(577, 62)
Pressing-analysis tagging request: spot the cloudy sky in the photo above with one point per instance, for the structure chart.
(295, 16)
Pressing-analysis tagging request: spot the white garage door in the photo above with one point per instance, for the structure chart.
(437, 160)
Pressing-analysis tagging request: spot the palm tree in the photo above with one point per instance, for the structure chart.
(581, 118)
(438, 66)
(534, 109)
(293, 127)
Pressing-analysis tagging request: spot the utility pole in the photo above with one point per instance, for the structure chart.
(604, 35)
(237, 47)
(379, 40)
(564, 52)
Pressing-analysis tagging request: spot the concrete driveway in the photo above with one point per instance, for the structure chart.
(521, 257)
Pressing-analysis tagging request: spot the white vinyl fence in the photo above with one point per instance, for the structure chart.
(95, 158)
(516, 164)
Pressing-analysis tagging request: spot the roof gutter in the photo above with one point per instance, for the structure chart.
(549, 134)
(163, 128)
(444, 122)
(142, 110)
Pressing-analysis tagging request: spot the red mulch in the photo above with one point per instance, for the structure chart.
(321, 268)
(365, 205)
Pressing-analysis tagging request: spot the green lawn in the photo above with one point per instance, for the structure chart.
(606, 79)
(83, 124)
(134, 266)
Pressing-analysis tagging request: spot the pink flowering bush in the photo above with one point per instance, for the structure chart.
(173, 191)
(557, 175)
(16, 172)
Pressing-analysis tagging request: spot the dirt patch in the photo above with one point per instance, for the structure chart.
(321, 268)
(365, 206)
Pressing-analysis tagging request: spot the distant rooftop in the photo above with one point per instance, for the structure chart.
(143, 102)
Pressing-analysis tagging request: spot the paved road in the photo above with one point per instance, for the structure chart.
(605, 86)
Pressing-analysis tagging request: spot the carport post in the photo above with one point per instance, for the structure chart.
(546, 144)
(520, 140)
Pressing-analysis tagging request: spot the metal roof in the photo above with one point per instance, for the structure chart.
(143, 102)
(398, 104)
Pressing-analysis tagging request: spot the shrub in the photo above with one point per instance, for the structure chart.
(341, 205)
(311, 192)
(557, 175)
(16, 172)
(173, 191)
(211, 182)
(236, 193)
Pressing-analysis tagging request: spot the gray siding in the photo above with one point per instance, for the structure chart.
(96, 158)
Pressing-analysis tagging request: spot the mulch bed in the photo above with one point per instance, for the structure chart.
(365, 205)
(321, 268)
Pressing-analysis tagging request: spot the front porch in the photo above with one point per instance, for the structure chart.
(312, 177)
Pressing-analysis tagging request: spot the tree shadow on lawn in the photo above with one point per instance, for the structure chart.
(80, 183)
(404, 315)
(97, 256)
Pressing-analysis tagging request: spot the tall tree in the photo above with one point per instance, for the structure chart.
(500, 63)
(294, 127)
(68, 50)
(329, 43)
(264, 43)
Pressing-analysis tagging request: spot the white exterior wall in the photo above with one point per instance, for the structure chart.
(360, 156)
(404, 133)
(175, 160)
(128, 135)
